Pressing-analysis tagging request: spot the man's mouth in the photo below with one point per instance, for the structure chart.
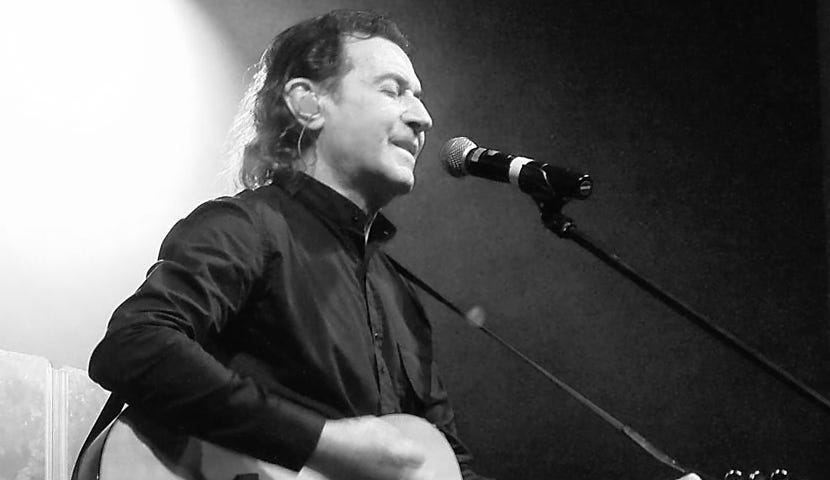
(410, 147)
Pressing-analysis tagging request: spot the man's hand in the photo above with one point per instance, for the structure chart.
(367, 448)
(690, 476)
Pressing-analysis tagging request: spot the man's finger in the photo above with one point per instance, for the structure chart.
(408, 453)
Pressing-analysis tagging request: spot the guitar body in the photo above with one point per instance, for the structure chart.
(134, 448)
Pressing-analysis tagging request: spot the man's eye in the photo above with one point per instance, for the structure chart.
(392, 91)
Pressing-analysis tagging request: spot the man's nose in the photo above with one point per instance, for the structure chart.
(417, 116)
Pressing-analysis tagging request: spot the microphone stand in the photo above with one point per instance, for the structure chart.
(550, 207)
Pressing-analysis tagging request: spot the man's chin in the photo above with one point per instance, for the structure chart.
(385, 188)
(408, 183)
(402, 188)
(401, 180)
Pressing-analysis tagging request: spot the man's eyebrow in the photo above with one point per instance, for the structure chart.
(401, 81)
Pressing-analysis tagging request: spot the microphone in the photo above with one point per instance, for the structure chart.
(461, 157)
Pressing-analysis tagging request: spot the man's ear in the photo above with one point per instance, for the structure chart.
(301, 97)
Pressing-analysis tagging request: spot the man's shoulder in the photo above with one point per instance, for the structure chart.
(257, 211)
(264, 206)
(266, 197)
(257, 204)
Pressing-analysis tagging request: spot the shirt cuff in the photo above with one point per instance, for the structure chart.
(291, 437)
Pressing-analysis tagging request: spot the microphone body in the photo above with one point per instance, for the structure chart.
(461, 157)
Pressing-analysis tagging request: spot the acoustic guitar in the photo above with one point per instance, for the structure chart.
(135, 448)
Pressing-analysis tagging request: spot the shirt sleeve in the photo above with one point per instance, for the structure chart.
(155, 351)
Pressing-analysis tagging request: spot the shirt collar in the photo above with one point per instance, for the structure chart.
(334, 207)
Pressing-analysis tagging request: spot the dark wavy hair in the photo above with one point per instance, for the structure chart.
(265, 137)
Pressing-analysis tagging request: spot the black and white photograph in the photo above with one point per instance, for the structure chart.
(423, 240)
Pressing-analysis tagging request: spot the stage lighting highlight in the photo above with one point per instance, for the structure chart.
(113, 119)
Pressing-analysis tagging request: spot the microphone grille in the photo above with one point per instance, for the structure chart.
(453, 153)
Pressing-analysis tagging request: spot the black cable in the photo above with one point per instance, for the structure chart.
(632, 434)
(682, 308)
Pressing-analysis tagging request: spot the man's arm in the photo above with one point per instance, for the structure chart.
(153, 354)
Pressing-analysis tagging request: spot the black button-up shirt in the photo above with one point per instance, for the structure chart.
(267, 313)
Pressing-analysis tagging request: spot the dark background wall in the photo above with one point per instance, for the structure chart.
(824, 55)
(700, 122)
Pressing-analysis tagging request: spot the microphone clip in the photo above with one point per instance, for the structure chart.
(545, 180)
(551, 196)
(550, 211)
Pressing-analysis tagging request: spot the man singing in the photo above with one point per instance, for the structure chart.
(273, 324)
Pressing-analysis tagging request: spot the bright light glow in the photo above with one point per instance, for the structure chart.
(113, 119)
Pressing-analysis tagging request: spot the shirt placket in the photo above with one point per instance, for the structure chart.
(388, 401)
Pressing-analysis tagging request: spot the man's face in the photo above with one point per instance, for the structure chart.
(374, 122)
